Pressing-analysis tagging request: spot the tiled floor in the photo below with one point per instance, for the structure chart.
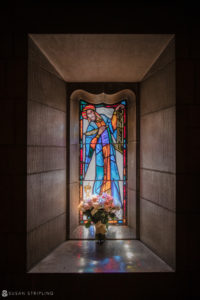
(114, 256)
(114, 232)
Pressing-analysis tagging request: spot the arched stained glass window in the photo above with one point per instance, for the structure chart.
(103, 154)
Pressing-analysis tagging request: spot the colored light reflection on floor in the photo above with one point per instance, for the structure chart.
(112, 264)
(114, 256)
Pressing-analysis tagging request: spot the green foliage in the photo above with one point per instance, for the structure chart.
(101, 215)
(112, 215)
(87, 225)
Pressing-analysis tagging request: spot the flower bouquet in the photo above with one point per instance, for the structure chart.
(99, 210)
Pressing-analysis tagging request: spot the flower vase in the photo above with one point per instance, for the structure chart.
(100, 232)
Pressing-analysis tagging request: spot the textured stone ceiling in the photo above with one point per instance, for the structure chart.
(102, 57)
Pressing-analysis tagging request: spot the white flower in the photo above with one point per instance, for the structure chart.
(96, 205)
(80, 206)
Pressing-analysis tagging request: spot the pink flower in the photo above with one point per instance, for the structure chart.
(105, 195)
(86, 206)
(107, 208)
(94, 198)
(107, 202)
(90, 203)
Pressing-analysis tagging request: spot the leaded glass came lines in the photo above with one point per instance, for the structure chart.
(103, 153)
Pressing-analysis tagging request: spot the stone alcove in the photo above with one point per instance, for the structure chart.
(47, 146)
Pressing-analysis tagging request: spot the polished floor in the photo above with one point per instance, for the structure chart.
(114, 232)
(114, 256)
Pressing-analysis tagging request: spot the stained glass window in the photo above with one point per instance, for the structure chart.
(103, 154)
